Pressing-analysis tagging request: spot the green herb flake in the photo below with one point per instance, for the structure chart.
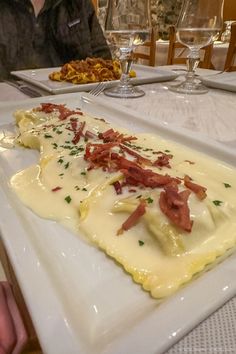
(83, 173)
(73, 152)
(59, 132)
(68, 199)
(139, 196)
(217, 202)
(60, 160)
(84, 189)
(149, 200)
(77, 188)
(227, 185)
(140, 242)
(54, 145)
(47, 136)
(67, 165)
(61, 174)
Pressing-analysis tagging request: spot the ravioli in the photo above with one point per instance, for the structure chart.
(162, 211)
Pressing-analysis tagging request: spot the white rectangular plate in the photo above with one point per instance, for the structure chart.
(39, 77)
(225, 81)
(79, 299)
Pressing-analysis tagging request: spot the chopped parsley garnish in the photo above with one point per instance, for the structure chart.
(139, 196)
(68, 147)
(84, 189)
(227, 185)
(54, 145)
(60, 160)
(68, 199)
(67, 165)
(217, 202)
(59, 132)
(140, 242)
(167, 150)
(61, 174)
(47, 136)
(77, 188)
(83, 173)
(149, 200)
(73, 152)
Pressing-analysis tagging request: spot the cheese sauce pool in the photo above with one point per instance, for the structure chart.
(62, 188)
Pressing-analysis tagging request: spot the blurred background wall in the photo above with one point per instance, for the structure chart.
(163, 14)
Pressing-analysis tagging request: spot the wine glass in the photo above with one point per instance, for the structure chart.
(127, 26)
(225, 37)
(198, 25)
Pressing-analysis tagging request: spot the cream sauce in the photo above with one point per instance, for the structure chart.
(63, 167)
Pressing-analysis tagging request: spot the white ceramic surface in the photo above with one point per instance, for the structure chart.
(80, 300)
(39, 78)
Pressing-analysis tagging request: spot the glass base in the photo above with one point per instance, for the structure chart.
(191, 88)
(124, 91)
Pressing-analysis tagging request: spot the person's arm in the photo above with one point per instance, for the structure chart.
(98, 41)
(4, 69)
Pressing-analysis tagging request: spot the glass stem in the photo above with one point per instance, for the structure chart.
(126, 62)
(192, 64)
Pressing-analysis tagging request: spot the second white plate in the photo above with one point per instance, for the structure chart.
(39, 78)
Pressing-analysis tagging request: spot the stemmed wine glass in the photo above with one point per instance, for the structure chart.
(225, 36)
(127, 26)
(198, 25)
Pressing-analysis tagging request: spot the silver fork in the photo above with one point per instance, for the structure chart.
(98, 89)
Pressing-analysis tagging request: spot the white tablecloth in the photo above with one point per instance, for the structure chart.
(213, 115)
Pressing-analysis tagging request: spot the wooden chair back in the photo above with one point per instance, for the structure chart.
(148, 55)
(231, 52)
(178, 58)
(95, 4)
(229, 10)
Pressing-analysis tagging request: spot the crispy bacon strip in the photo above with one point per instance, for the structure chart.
(163, 160)
(175, 206)
(90, 135)
(111, 135)
(56, 189)
(74, 124)
(100, 155)
(118, 187)
(78, 133)
(139, 158)
(200, 191)
(133, 218)
(64, 112)
(136, 175)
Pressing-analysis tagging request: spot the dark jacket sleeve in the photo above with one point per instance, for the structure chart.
(76, 31)
(98, 41)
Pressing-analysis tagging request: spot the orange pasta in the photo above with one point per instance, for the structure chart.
(88, 71)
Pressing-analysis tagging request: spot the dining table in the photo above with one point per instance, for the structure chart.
(210, 116)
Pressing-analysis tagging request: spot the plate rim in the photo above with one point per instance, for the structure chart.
(161, 75)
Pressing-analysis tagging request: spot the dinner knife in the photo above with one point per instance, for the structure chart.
(23, 88)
